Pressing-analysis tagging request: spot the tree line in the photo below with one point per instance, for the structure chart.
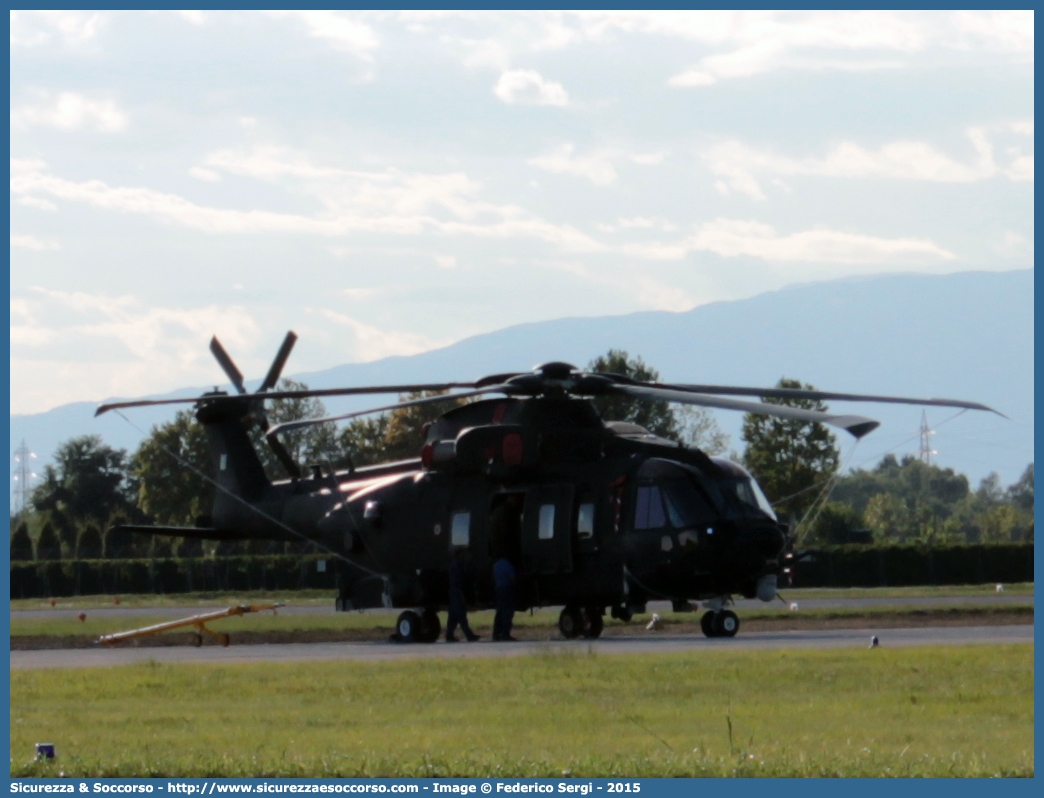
(91, 487)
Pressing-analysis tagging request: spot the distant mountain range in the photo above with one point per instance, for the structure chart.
(964, 336)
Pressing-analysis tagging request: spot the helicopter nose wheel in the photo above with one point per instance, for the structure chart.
(720, 624)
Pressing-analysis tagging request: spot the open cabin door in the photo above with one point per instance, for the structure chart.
(547, 523)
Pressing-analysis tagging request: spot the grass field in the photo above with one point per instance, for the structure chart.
(881, 712)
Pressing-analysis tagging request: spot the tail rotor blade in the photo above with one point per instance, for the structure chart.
(281, 453)
(226, 364)
(280, 360)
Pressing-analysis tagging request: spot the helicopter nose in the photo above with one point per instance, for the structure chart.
(766, 541)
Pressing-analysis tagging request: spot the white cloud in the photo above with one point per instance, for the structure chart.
(372, 343)
(267, 162)
(361, 293)
(656, 251)
(596, 166)
(731, 238)
(206, 175)
(70, 111)
(341, 29)
(649, 158)
(35, 244)
(158, 348)
(527, 87)
(446, 261)
(486, 53)
(655, 295)
(739, 164)
(638, 223)
(23, 165)
(195, 17)
(41, 28)
(1007, 31)
(1021, 168)
(761, 58)
(765, 41)
(740, 43)
(1011, 244)
(392, 203)
(39, 204)
(649, 292)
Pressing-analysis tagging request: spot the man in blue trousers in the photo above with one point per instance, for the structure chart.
(504, 583)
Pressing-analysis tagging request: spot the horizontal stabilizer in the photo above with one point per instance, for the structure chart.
(202, 532)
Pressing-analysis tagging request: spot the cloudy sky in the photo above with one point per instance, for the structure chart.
(386, 183)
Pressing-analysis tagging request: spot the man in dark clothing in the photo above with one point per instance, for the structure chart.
(458, 606)
(504, 582)
(505, 537)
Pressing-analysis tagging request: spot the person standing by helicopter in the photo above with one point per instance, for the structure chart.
(457, 614)
(504, 583)
(506, 532)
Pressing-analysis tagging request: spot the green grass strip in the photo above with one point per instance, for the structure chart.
(882, 712)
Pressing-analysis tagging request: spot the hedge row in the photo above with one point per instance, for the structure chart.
(173, 575)
(899, 566)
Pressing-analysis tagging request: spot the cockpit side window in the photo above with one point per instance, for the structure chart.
(648, 508)
(686, 504)
(742, 498)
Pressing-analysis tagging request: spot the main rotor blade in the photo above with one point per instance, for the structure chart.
(856, 425)
(280, 360)
(286, 426)
(226, 364)
(801, 393)
(375, 389)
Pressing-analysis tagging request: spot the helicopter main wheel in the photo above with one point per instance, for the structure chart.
(707, 624)
(409, 627)
(726, 624)
(430, 626)
(593, 622)
(197, 639)
(571, 623)
(622, 613)
(225, 640)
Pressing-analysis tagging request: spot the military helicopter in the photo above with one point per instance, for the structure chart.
(609, 516)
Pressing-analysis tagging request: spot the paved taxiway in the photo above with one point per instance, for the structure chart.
(650, 644)
(913, 602)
